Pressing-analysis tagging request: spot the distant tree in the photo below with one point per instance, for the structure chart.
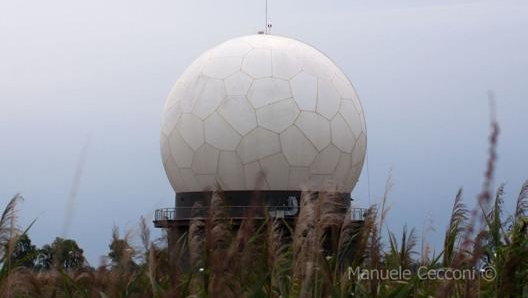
(62, 253)
(67, 254)
(44, 258)
(24, 253)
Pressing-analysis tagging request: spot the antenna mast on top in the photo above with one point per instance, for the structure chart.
(267, 25)
(266, 18)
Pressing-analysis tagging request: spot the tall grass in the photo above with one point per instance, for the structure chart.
(325, 254)
(267, 258)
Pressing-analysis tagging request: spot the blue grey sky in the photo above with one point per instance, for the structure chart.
(72, 71)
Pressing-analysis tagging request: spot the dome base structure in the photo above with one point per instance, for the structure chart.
(266, 207)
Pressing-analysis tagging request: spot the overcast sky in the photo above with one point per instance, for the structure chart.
(98, 72)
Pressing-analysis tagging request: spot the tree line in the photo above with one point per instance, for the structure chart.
(64, 254)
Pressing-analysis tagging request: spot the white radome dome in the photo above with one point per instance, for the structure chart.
(263, 104)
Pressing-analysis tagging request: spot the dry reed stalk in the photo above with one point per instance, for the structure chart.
(8, 240)
(453, 237)
(374, 252)
(196, 245)
(307, 282)
(196, 235)
(247, 227)
(514, 271)
(277, 257)
(331, 212)
(304, 238)
(8, 227)
(522, 202)
(425, 250)
(218, 240)
(484, 198)
(470, 251)
(332, 208)
(144, 234)
(348, 234)
(152, 268)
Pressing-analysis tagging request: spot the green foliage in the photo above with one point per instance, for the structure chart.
(63, 254)
(24, 253)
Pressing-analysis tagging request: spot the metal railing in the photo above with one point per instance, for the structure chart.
(358, 214)
(186, 213)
